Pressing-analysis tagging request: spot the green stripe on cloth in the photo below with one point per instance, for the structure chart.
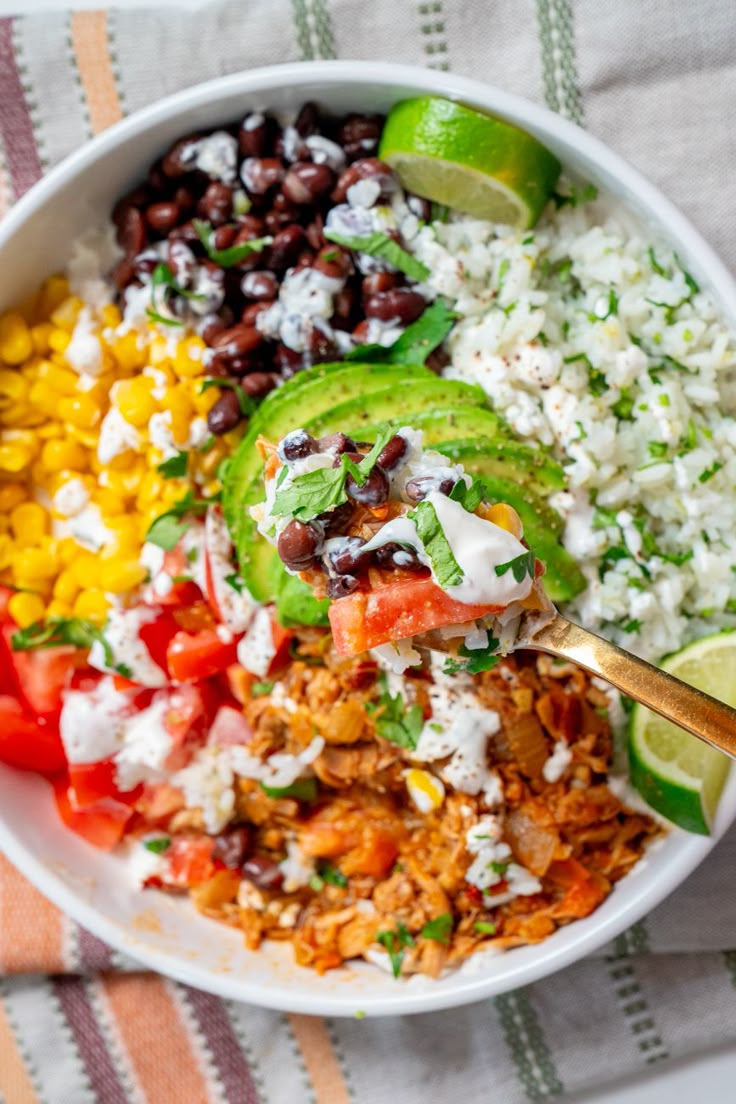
(432, 29)
(630, 996)
(301, 27)
(729, 958)
(313, 27)
(559, 72)
(528, 1047)
(323, 28)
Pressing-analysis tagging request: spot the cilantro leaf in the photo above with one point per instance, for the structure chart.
(445, 567)
(260, 689)
(379, 244)
(312, 493)
(612, 308)
(596, 378)
(394, 722)
(227, 258)
(708, 473)
(65, 630)
(484, 927)
(479, 659)
(167, 530)
(157, 846)
(304, 789)
(395, 943)
(295, 603)
(469, 497)
(520, 566)
(656, 266)
(175, 467)
(330, 874)
(245, 402)
(417, 341)
(500, 868)
(439, 929)
(576, 195)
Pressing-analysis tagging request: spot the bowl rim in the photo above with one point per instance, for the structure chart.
(650, 890)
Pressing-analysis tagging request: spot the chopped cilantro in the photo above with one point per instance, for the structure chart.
(708, 473)
(76, 631)
(304, 789)
(445, 568)
(227, 258)
(158, 845)
(414, 345)
(331, 874)
(394, 721)
(632, 626)
(603, 518)
(381, 245)
(484, 927)
(469, 497)
(623, 407)
(611, 308)
(478, 659)
(500, 868)
(503, 270)
(261, 688)
(657, 449)
(235, 582)
(520, 566)
(175, 467)
(395, 943)
(439, 929)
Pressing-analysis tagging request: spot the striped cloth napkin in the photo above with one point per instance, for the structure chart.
(78, 1024)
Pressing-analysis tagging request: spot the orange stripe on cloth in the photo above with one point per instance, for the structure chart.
(323, 1068)
(15, 1083)
(158, 1044)
(31, 928)
(92, 51)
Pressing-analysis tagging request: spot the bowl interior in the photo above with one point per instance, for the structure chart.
(166, 933)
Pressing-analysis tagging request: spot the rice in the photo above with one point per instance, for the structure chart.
(595, 343)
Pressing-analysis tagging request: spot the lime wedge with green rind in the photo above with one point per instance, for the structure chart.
(677, 774)
(469, 161)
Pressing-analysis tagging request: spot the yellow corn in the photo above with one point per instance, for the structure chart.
(44, 399)
(151, 488)
(26, 608)
(29, 523)
(187, 359)
(124, 483)
(58, 379)
(177, 402)
(84, 568)
(130, 352)
(118, 575)
(111, 316)
(66, 587)
(16, 343)
(80, 410)
(7, 550)
(91, 605)
(56, 455)
(40, 335)
(14, 458)
(59, 339)
(108, 502)
(34, 565)
(66, 313)
(53, 292)
(134, 400)
(11, 494)
(58, 608)
(13, 388)
(505, 517)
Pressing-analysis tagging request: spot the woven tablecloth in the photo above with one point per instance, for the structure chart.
(78, 1024)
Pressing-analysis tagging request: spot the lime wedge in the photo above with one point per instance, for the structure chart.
(678, 775)
(468, 161)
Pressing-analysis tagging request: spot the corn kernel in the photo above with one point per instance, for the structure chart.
(29, 523)
(85, 568)
(130, 352)
(505, 517)
(66, 587)
(58, 379)
(44, 399)
(91, 605)
(202, 401)
(13, 388)
(53, 292)
(14, 458)
(80, 410)
(86, 437)
(158, 353)
(111, 315)
(68, 551)
(187, 359)
(425, 789)
(108, 502)
(16, 344)
(117, 576)
(66, 314)
(34, 564)
(25, 609)
(59, 339)
(58, 608)
(40, 337)
(7, 551)
(151, 488)
(11, 494)
(134, 400)
(123, 483)
(177, 402)
(58, 455)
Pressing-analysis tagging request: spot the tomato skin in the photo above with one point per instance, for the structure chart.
(28, 743)
(102, 824)
(194, 656)
(93, 782)
(157, 635)
(229, 727)
(366, 619)
(189, 861)
(282, 639)
(40, 676)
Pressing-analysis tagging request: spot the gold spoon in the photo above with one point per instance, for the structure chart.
(695, 711)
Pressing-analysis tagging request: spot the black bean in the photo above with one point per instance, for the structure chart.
(377, 282)
(286, 247)
(260, 174)
(259, 285)
(216, 205)
(337, 442)
(288, 361)
(395, 555)
(184, 200)
(131, 229)
(249, 317)
(341, 586)
(374, 492)
(225, 414)
(162, 217)
(297, 444)
(253, 135)
(262, 872)
(213, 324)
(349, 557)
(359, 134)
(307, 121)
(180, 158)
(123, 272)
(305, 183)
(258, 384)
(363, 170)
(392, 452)
(236, 342)
(224, 236)
(232, 847)
(422, 485)
(297, 545)
(282, 214)
(336, 521)
(334, 261)
(400, 304)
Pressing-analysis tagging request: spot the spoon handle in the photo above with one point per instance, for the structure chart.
(705, 717)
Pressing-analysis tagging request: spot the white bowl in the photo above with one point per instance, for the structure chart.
(164, 933)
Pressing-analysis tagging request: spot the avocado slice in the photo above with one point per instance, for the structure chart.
(513, 460)
(459, 422)
(393, 402)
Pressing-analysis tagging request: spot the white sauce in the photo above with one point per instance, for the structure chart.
(325, 152)
(557, 763)
(121, 633)
(86, 527)
(92, 722)
(256, 649)
(84, 351)
(116, 436)
(297, 867)
(493, 863)
(71, 498)
(236, 607)
(147, 745)
(306, 301)
(216, 155)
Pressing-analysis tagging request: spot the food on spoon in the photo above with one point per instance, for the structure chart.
(402, 541)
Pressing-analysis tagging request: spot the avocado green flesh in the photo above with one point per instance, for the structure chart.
(404, 403)
(446, 425)
(508, 459)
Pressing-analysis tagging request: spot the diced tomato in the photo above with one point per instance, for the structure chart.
(191, 709)
(282, 639)
(374, 856)
(157, 635)
(93, 782)
(27, 742)
(101, 824)
(194, 656)
(185, 591)
(229, 727)
(582, 892)
(159, 802)
(189, 861)
(41, 675)
(366, 619)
